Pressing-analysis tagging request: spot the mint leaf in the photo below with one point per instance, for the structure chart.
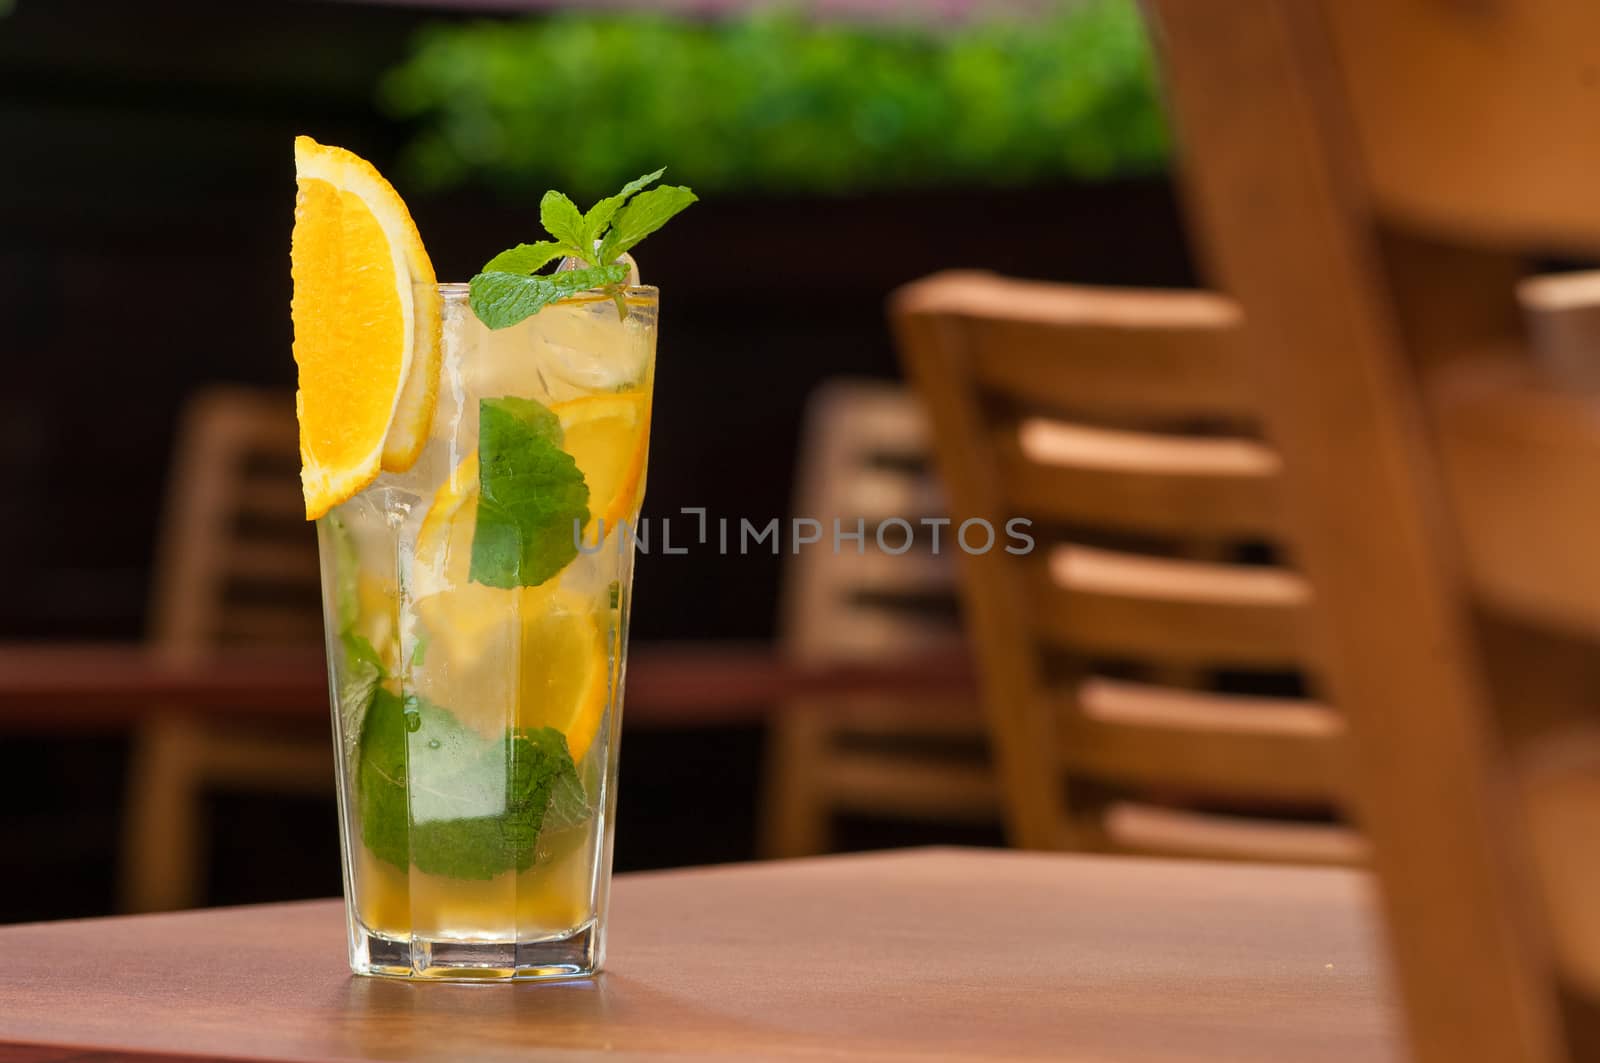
(563, 220)
(504, 299)
(359, 676)
(360, 650)
(541, 756)
(508, 289)
(381, 781)
(525, 258)
(530, 496)
(644, 214)
(455, 803)
(599, 216)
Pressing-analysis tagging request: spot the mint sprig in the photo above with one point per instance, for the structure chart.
(510, 289)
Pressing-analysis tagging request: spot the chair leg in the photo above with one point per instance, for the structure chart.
(162, 837)
(794, 809)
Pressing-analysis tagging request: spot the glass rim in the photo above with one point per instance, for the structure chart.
(456, 291)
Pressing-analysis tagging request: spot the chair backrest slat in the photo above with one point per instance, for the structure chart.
(1178, 739)
(1142, 481)
(1157, 609)
(1474, 120)
(1138, 352)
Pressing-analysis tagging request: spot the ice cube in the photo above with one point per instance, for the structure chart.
(587, 348)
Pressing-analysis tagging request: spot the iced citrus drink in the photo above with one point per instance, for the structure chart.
(474, 466)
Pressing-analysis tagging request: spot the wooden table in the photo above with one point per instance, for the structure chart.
(923, 955)
(65, 687)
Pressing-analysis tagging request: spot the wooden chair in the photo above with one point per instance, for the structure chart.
(864, 457)
(237, 565)
(1120, 424)
(1364, 178)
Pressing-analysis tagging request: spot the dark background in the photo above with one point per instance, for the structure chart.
(146, 197)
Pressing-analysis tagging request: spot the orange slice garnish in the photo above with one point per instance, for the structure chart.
(366, 326)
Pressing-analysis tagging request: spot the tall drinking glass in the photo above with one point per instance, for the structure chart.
(476, 611)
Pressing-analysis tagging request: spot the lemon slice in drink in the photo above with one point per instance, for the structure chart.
(366, 326)
(375, 620)
(521, 658)
(609, 437)
(525, 657)
(563, 668)
(444, 542)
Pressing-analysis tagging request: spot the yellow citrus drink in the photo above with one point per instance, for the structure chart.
(477, 609)
(474, 456)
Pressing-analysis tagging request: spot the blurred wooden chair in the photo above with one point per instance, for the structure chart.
(237, 565)
(1365, 178)
(1119, 422)
(864, 460)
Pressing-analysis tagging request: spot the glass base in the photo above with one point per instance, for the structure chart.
(574, 955)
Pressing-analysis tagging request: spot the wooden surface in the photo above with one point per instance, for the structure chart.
(925, 955)
(64, 687)
(920, 754)
(1303, 124)
(1122, 425)
(236, 564)
(1518, 454)
(1471, 119)
(233, 524)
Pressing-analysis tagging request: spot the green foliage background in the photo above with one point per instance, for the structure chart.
(776, 102)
